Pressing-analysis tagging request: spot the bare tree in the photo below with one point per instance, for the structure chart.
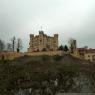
(9, 47)
(19, 45)
(13, 43)
(2, 45)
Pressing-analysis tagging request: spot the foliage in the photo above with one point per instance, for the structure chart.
(61, 47)
(66, 48)
(40, 73)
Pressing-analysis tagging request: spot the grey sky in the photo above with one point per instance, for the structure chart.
(68, 18)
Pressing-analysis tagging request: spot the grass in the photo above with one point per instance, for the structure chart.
(41, 72)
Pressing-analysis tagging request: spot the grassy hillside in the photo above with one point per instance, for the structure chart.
(46, 75)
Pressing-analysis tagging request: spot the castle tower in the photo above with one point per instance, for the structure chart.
(73, 45)
(31, 48)
(55, 41)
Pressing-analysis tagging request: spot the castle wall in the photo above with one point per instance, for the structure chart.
(13, 55)
(49, 53)
(10, 55)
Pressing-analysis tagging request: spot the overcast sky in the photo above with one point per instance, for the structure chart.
(68, 18)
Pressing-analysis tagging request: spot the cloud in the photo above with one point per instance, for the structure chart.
(68, 18)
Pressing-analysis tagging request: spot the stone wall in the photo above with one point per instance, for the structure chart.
(50, 53)
(10, 55)
(13, 55)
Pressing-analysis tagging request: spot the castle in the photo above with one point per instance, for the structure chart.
(43, 42)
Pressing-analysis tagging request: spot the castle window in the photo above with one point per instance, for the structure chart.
(88, 55)
(40, 40)
(54, 41)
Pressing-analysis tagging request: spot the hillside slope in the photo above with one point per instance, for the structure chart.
(46, 75)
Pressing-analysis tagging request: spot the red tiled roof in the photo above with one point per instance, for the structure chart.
(87, 50)
(81, 49)
(91, 51)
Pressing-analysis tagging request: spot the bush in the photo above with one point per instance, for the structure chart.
(57, 58)
(45, 58)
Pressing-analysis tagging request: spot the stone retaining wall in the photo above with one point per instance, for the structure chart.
(12, 55)
(50, 53)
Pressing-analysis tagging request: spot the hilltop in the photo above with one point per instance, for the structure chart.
(46, 75)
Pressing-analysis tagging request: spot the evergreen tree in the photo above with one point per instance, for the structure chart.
(66, 48)
(61, 47)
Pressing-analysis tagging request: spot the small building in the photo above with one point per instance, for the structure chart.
(84, 53)
(43, 42)
(10, 55)
(90, 55)
(80, 52)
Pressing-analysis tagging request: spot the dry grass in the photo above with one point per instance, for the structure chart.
(32, 72)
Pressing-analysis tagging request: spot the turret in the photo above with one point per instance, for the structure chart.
(56, 41)
(56, 35)
(41, 32)
(31, 35)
